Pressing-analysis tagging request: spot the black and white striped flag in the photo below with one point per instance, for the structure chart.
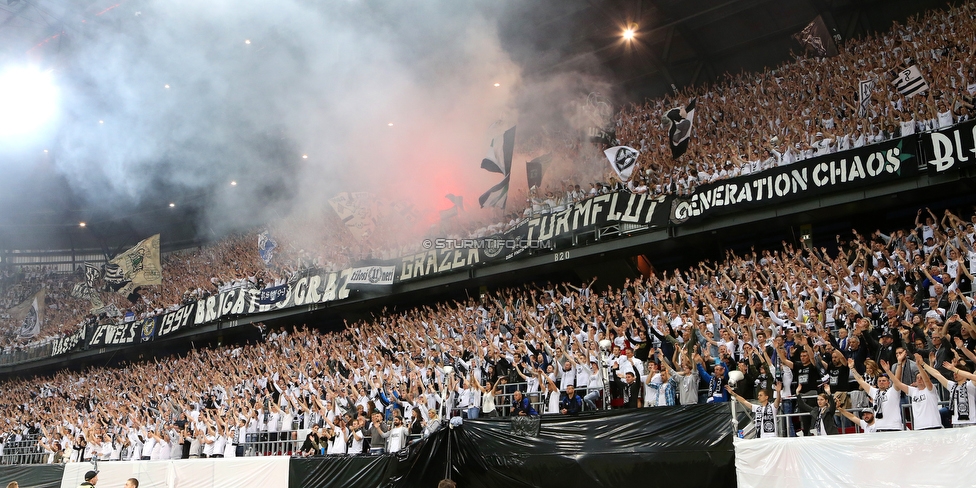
(499, 160)
(864, 90)
(114, 274)
(909, 82)
(92, 274)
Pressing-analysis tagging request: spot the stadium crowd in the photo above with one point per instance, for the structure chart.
(888, 313)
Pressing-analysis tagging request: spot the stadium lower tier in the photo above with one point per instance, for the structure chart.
(668, 446)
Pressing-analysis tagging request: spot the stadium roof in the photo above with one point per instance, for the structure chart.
(676, 42)
(684, 42)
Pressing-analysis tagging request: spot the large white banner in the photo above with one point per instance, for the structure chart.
(912, 458)
(264, 472)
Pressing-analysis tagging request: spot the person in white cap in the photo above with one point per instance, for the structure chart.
(866, 422)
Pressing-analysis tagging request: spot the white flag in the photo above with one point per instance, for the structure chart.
(910, 82)
(623, 160)
(29, 315)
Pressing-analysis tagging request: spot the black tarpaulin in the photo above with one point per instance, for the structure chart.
(33, 476)
(650, 447)
(665, 446)
(353, 471)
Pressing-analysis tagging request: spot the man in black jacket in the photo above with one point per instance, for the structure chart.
(885, 349)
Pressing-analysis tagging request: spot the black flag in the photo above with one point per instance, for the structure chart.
(681, 121)
(816, 37)
(536, 168)
(601, 137)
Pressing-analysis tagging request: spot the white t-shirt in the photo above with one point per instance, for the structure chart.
(464, 398)
(625, 366)
(160, 452)
(148, 447)
(208, 447)
(925, 408)
(945, 119)
(274, 420)
(338, 445)
(219, 445)
(787, 379)
(582, 376)
(567, 378)
(396, 438)
(888, 404)
(230, 450)
(135, 448)
(552, 405)
(870, 429)
(595, 383)
(105, 451)
(357, 444)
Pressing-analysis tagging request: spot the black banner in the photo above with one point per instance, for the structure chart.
(613, 208)
(68, 342)
(116, 334)
(273, 295)
(539, 232)
(952, 148)
(308, 288)
(176, 320)
(859, 167)
(232, 302)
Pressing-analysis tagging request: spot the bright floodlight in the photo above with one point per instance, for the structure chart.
(629, 32)
(28, 99)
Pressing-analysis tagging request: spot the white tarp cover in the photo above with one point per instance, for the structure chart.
(266, 472)
(933, 458)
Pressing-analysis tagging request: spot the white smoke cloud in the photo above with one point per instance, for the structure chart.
(253, 86)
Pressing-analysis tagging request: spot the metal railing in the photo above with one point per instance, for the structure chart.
(24, 451)
(283, 443)
(785, 427)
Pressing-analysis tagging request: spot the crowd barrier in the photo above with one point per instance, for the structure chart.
(23, 451)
